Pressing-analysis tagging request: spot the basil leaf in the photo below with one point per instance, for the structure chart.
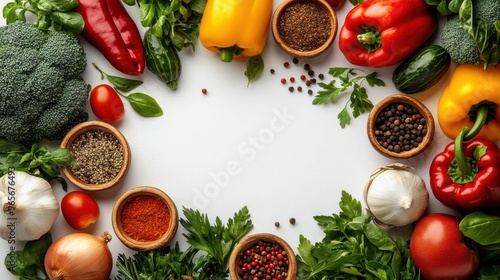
(144, 105)
(69, 21)
(120, 83)
(255, 67)
(129, 2)
(482, 228)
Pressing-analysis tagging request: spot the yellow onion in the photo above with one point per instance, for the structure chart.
(79, 256)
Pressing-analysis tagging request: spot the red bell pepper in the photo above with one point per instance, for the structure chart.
(466, 175)
(380, 33)
(111, 30)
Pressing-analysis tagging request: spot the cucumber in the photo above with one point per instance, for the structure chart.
(162, 60)
(422, 70)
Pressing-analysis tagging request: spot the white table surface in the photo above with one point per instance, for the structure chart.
(258, 146)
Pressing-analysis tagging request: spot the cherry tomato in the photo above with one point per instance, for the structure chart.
(335, 4)
(106, 103)
(79, 209)
(438, 249)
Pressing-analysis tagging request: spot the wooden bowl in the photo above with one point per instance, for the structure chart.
(372, 126)
(132, 243)
(97, 126)
(250, 241)
(289, 49)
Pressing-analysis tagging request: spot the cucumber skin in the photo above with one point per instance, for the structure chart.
(422, 70)
(162, 60)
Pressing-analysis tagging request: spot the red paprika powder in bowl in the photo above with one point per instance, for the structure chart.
(145, 218)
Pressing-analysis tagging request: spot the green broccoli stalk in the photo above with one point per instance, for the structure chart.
(43, 93)
(471, 32)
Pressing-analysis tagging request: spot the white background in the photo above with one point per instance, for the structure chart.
(293, 166)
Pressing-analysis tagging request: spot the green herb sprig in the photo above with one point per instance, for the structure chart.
(142, 103)
(48, 13)
(354, 248)
(349, 80)
(36, 160)
(217, 240)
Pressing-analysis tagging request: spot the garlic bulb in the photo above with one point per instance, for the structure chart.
(29, 206)
(394, 196)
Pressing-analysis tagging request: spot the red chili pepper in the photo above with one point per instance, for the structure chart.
(111, 30)
(380, 33)
(466, 175)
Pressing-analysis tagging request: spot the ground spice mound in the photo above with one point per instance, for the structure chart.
(304, 26)
(99, 156)
(145, 218)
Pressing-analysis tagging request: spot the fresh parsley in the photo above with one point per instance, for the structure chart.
(349, 80)
(217, 240)
(354, 248)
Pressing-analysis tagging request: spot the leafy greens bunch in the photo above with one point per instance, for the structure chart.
(215, 240)
(36, 160)
(48, 13)
(175, 21)
(354, 248)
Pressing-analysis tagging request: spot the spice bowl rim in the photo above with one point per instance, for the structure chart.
(422, 109)
(83, 127)
(304, 54)
(252, 239)
(142, 245)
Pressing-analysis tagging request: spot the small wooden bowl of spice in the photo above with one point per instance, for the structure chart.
(272, 250)
(400, 127)
(304, 28)
(102, 154)
(145, 218)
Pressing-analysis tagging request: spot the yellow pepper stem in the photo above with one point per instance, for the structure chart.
(227, 54)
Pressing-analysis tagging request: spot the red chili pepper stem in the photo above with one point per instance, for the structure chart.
(461, 167)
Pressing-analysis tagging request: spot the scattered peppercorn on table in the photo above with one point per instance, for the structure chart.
(223, 142)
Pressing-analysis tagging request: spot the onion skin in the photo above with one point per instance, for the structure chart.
(79, 256)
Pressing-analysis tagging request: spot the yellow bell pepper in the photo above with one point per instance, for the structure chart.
(471, 100)
(235, 28)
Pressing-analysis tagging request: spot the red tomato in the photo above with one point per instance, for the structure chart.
(79, 209)
(438, 249)
(335, 4)
(106, 103)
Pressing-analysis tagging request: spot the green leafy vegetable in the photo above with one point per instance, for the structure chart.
(144, 104)
(163, 264)
(255, 67)
(36, 160)
(354, 248)
(358, 101)
(27, 263)
(479, 30)
(484, 229)
(176, 21)
(217, 240)
(119, 83)
(48, 13)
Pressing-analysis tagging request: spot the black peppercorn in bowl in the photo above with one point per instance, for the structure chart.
(145, 218)
(270, 251)
(400, 127)
(304, 28)
(102, 156)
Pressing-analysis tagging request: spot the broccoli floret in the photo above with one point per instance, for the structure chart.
(41, 76)
(458, 43)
